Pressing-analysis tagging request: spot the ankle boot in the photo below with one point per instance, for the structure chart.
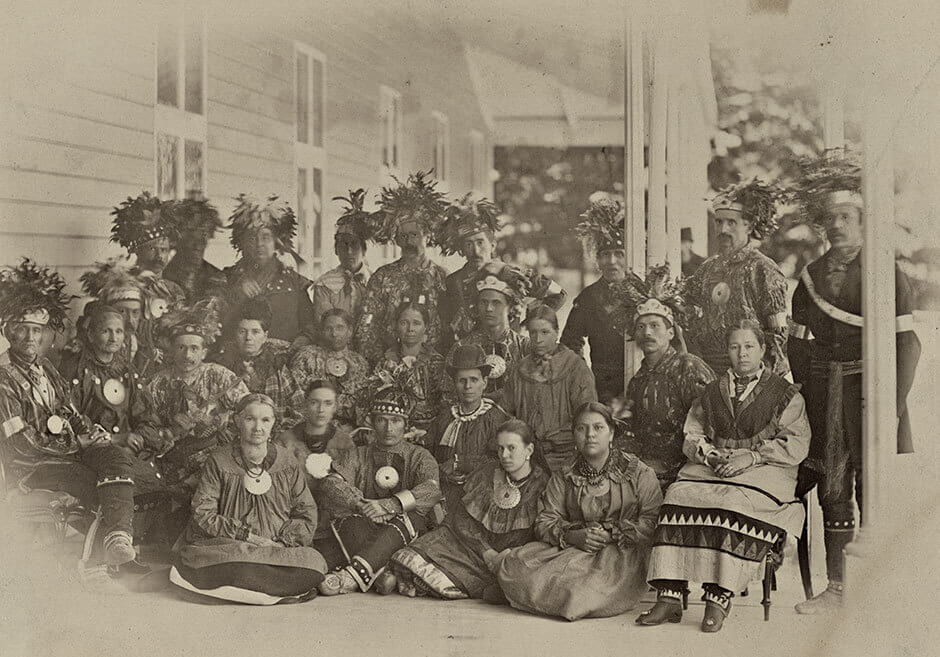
(717, 608)
(668, 608)
(827, 601)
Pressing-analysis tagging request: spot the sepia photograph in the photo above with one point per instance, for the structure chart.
(469, 328)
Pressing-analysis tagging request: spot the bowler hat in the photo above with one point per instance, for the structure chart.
(467, 357)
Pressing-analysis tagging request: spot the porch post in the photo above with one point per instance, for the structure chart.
(634, 183)
(879, 376)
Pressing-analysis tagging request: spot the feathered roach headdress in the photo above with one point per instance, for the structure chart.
(756, 200)
(194, 215)
(202, 319)
(250, 216)
(602, 226)
(355, 220)
(831, 179)
(657, 295)
(391, 390)
(114, 280)
(417, 200)
(141, 220)
(464, 218)
(31, 292)
(515, 282)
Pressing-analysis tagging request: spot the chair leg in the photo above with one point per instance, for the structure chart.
(89, 542)
(767, 586)
(803, 554)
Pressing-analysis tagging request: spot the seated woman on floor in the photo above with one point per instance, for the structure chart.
(253, 520)
(734, 499)
(595, 522)
(498, 508)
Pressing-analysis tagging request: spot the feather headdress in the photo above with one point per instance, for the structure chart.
(33, 292)
(115, 280)
(515, 282)
(417, 199)
(756, 200)
(393, 388)
(141, 220)
(194, 215)
(464, 218)
(829, 178)
(633, 295)
(251, 216)
(202, 319)
(602, 226)
(355, 220)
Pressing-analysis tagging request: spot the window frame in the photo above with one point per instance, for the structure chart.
(311, 157)
(479, 167)
(391, 139)
(177, 121)
(441, 159)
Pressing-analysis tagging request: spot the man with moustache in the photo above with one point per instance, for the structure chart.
(662, 391)
(603, 235)
(827, 359)
(408, 214)
(194, 398)
(740, 283)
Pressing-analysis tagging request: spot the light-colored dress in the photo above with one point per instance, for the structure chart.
(719, 530)
(548, 577)
(544, 392)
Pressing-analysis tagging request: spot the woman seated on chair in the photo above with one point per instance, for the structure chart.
(253, 520)
(734, 499)
(595, 521)
(496, 512)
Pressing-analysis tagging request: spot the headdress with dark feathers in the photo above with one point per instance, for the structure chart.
(250, 216)
(633, 291)
(391, 385)
(202, 319)
(355, 220)
(466, 217)
(602, 226)
(417, 199)
(112, 279)
(140, 220)
(756, 200)
(194, 215)
(822, 176)
(29, 287)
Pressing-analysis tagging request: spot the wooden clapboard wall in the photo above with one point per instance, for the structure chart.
(78, 123)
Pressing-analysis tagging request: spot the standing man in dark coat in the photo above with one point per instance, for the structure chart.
(603, 235)
(827, 360)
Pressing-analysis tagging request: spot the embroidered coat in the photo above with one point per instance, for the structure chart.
(197, 407)
(659, 398)
(390, 284)
(726, 289)
(346, 369)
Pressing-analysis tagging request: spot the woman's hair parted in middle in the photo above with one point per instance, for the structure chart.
(594, 407)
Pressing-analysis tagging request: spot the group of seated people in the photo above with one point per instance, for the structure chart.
(399, 431)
